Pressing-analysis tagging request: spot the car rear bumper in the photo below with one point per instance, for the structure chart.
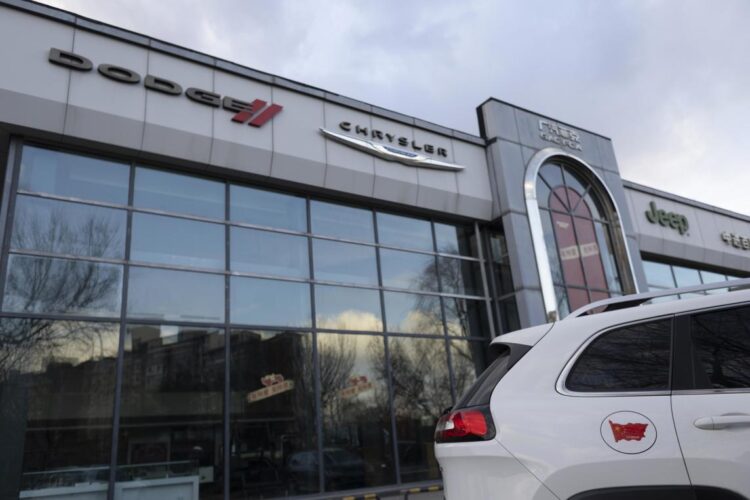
(482, 470)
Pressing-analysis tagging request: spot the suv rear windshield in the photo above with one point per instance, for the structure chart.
(633, 358)
(479, 393)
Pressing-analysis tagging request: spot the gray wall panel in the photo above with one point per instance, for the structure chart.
(93, 97)
(238, 145)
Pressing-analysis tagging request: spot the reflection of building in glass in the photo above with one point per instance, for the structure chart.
(197, 306)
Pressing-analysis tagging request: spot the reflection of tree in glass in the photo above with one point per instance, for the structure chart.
(28, 345)
(635, 357)
(468, 363)
(421, 384)
(45, 285)
(722, 342)
(96, 235)
(452, 281)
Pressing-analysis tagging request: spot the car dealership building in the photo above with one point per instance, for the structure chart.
(219, 283)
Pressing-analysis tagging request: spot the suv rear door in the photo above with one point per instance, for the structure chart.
(711, 400)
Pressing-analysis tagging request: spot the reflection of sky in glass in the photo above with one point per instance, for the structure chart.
(175, 295)
(73, 175)
(168, 240)
(68, 228)
(265, 252)
(411, 271)
(345, 262)
(411, 313)
(178, 193)
(341, 221)
(404, 232)
(347, 308)
(267, 208)
(268, 302)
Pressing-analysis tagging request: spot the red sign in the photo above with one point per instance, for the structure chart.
(628, 432)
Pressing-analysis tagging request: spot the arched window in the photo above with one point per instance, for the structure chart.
(578, 232)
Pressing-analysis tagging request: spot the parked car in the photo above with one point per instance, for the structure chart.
(622, 399)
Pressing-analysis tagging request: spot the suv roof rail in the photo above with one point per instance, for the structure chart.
(626, 301)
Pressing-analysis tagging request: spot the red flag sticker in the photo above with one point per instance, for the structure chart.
(628, 432)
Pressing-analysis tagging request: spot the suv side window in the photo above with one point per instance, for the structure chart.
(633, 358)
(721, 348)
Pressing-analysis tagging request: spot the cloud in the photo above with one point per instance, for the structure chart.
(665, 79)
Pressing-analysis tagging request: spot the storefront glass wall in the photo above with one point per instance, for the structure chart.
(663, 276)
(171, 331)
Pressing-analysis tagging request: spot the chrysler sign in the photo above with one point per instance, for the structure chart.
(254, 113)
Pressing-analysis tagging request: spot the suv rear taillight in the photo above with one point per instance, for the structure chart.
(467, 424)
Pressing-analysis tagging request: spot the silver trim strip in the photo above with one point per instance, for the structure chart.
(537, 231)
(391, 153)
(638, 299)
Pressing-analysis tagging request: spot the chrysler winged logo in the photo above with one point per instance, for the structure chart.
(391, 153)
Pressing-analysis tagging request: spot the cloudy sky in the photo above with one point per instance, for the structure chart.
(667, 80)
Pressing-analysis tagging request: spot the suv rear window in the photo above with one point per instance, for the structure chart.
(480, 393)
(634, 358)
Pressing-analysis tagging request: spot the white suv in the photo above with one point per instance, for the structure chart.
(648, 402)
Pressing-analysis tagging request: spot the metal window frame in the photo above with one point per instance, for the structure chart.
(11, 192)
(537, 231)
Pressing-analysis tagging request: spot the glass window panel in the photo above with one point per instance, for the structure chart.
(685, 276)
(542, 194)
(269, 302)
(341, 221)
(345, 262)
(590, 252)
(181, 193)
(272, 415)
(456, 239)
(563, 307)
(412, 271)
(658, 274)
(75, 176)
(509, 315)
(341, 308)
(469, 361)
(179, 242)
(551, 244)
(465, 317)
(357, 446)
(574, 182)
(709, 277)
(568, 250)
(267, 208)
(171, 420)
(264, 252)
(411, 313)
(68, 228)
(722, 349)
(634, 358)
(608, 257)
(578, 297)
(50, 286)
(405, 232)
(460, 276)
(175, 295)
(421, 391)
(552, 175)
(57, 382)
